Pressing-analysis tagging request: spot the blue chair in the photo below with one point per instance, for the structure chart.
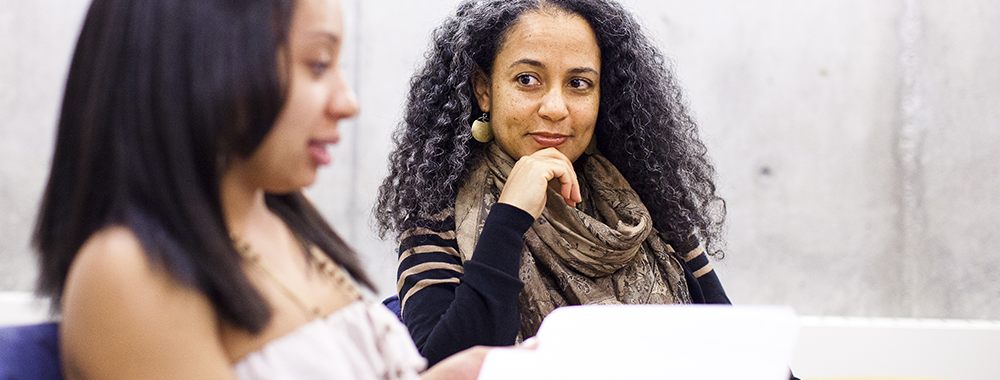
(30, 352)
(393, 304)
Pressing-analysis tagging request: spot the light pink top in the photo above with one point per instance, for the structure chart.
(363, 340)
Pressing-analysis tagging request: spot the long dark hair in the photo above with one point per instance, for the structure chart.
(160, 93)
(643, 125)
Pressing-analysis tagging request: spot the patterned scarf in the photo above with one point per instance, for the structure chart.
(604, 251)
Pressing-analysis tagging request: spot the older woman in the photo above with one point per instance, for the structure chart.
(546, 159)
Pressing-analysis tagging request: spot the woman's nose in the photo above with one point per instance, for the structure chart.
(554, 106)
(343, 102)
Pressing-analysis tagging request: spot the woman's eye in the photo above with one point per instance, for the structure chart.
(526, 80)
(579, 84)
(319, 67)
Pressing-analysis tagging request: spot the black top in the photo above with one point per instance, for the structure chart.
(449, 307)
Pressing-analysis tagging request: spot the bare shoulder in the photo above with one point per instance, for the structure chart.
(125, 318)
(112, 269)
(113, 249)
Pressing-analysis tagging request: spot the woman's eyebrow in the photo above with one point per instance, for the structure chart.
(575, 70)
(329, 37)
(582, 70)
(528, 61)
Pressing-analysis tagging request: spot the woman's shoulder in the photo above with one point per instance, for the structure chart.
(117, 240)
(109, 260)
(113, 269)
(442, 221)
(110, 256)
(118, 304)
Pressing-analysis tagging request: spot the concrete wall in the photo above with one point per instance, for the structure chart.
(854, 140)
(36, 41)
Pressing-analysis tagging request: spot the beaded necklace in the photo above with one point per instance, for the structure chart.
(326, 266)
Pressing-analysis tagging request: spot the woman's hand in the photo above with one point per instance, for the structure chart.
(533, 174)
(466, 364)
(460, 366)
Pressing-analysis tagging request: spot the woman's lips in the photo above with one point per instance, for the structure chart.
(549, 140)
(318, 153)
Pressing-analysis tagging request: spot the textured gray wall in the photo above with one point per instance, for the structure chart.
(854, 140)
(36, 41)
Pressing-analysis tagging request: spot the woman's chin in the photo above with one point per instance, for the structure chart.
(291, 186)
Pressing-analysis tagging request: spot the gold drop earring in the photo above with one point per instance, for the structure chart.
(482, 131)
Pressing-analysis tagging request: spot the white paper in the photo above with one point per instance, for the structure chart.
(690, 342)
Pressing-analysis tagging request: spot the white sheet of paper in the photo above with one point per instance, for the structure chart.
(690, 342)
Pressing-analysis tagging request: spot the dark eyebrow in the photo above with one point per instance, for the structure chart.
(581, 70)
(532, 62)
(526, 61)
(328, 36)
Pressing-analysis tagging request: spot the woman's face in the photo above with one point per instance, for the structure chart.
(545, 87)
(318, 97)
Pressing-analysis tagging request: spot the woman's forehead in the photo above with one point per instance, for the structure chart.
(539, 35)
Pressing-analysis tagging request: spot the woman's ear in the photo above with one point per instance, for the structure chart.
(481, 87)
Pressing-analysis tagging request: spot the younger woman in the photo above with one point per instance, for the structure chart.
(173, 232)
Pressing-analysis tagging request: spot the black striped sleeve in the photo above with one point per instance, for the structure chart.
(427, 256)
(706, 282)
(449, 306)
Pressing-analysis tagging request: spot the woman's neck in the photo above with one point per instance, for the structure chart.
(243, 205)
